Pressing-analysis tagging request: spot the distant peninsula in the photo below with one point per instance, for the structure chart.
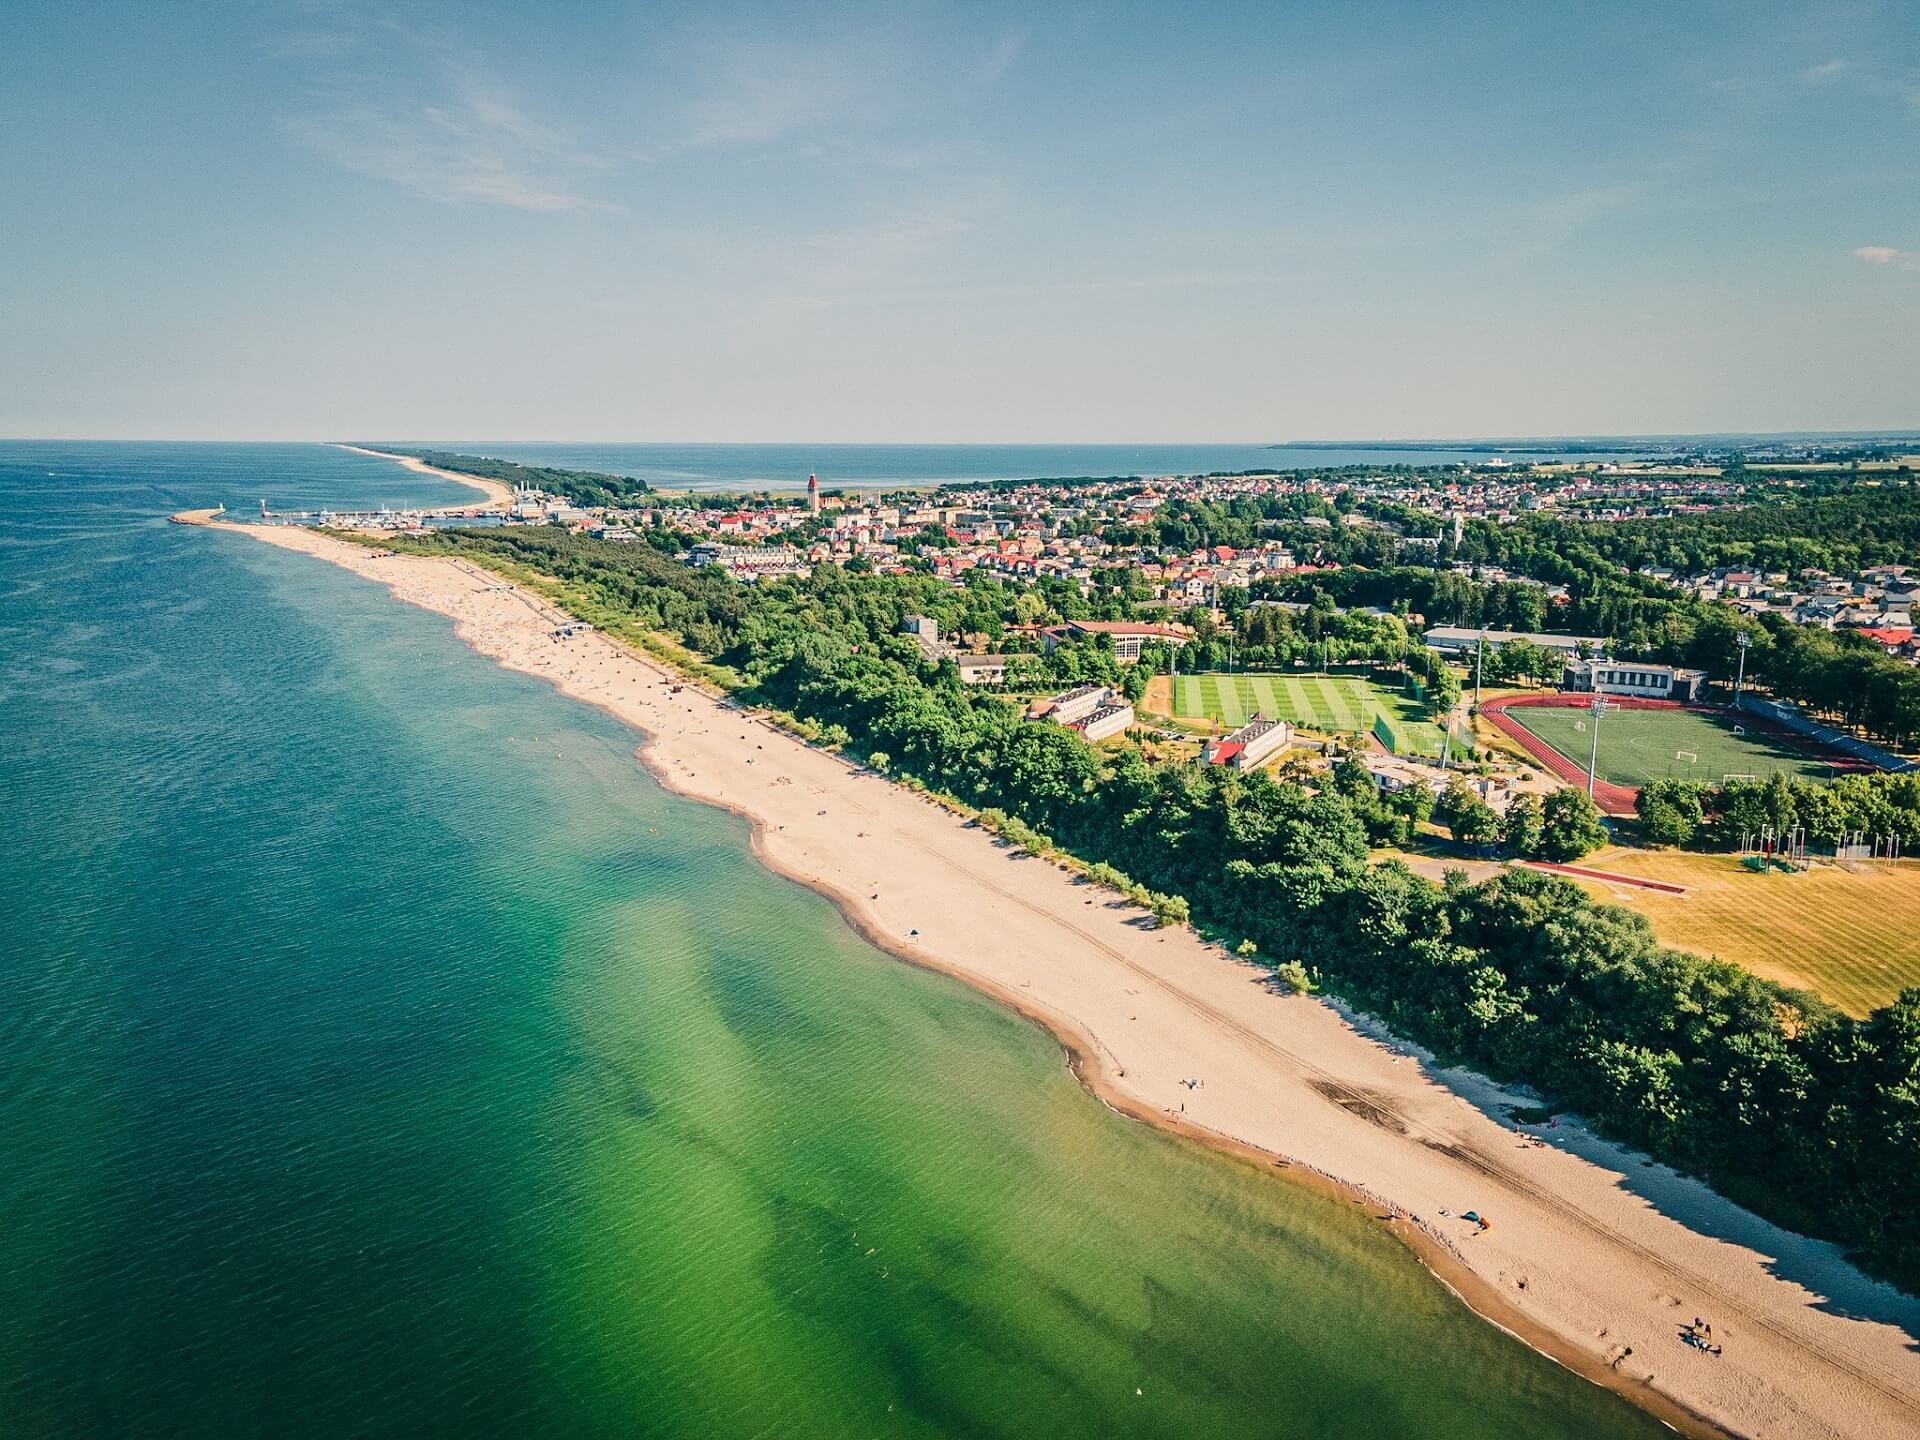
(583, 487)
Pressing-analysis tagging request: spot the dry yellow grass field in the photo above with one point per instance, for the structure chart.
(1852, 937)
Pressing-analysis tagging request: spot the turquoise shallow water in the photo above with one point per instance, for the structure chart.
(383, 1053)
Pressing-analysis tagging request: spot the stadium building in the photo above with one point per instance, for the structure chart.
(1639, 678)
(1456, 641)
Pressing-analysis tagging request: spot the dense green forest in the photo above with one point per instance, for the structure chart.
(1782, 1102)
(582, 487)
(1859, 526)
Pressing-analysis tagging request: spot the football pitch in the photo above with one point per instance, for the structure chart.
(1339, 704)
(1641, 745)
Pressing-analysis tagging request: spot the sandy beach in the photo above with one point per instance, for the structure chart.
(499, 494)
(1594, 1256)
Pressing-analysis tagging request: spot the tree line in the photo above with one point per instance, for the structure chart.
(582, 487)
(1857, 527)
(1721, 816)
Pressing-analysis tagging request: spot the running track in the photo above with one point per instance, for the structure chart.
(1618, 799)
(1612, 799)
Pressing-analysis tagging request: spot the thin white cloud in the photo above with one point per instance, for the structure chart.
(309, 45)
(746, 93)
(1889, 256)
(1826, 70)
(1544, 225)
(454, 134)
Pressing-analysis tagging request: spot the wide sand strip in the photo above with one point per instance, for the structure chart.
(1594, 1256)
(499, 494)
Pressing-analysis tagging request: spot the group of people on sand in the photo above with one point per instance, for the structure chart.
(1699, 1335)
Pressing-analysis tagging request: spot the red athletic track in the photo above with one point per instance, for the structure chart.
(1618, 799)
(1607, 875)
(1612, 799)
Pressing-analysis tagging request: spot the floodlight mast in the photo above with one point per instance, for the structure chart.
(1743, 639)
(1598, 708)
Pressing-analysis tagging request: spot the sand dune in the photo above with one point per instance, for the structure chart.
(1593, 1256)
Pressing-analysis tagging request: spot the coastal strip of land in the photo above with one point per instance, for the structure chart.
(499, 495)
(1591, 1254)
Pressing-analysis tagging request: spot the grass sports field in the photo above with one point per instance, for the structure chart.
(1846, 935)
(1641, 745)
(1343, 704)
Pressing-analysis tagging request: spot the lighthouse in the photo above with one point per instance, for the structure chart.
(813, 494)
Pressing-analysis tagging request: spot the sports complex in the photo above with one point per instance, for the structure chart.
(1332, 704)
(1643, 740)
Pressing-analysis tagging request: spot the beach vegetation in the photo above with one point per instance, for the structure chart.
(1294, 975)
(1169, 909)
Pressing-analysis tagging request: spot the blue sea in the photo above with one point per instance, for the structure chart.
(786, 467)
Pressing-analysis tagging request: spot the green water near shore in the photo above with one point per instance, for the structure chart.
(386, 1054)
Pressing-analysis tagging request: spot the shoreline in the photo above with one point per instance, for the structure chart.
(1587, 1257)
(1082, 1050)
(499, 494)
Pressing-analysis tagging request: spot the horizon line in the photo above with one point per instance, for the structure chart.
(1515, 441)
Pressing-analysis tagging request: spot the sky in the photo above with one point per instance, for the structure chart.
(967, 222)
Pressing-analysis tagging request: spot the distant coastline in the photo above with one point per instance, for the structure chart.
(1476, 447)
(1609, 444)
(498, 496)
